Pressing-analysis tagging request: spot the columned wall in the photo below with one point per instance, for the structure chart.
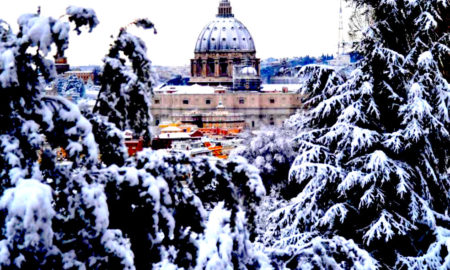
(217, 68)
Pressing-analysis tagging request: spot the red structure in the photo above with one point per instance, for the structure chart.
(134, 146)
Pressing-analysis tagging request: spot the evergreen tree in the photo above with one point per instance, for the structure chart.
(272, 152)
(53, 216)
(373, 162)
(233, 190)
(121, 213)
(125, 95)
(111, 140)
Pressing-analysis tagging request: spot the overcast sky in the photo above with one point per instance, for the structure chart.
(281, 28)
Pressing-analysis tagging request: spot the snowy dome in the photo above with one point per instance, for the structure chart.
(224, 34)
(248, 71)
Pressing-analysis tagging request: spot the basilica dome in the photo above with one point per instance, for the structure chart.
(224, 34)
(223, 48)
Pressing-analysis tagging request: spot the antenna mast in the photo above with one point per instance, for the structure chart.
(340, 50)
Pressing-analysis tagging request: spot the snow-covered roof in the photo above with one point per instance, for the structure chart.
(175, 136)
(185, 89)
(78, 72)
(249, 71)
(171, 129)
(202, 89)
(279, 87)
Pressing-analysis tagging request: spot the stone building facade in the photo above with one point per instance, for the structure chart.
(259, 108)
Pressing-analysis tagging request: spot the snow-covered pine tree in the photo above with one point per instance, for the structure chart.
(53, 216)
(125, 95)
(373, 160)
(154, 202)
(152, 207)
(58, 215)
(111, 140)
(272, 152)
(233, 191)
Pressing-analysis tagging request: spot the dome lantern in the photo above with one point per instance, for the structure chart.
(225, 10)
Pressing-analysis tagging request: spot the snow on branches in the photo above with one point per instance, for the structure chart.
(82, 17)
(373, 147)
(125, 96)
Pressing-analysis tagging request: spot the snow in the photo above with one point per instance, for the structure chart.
(29, 211)
(432, 258)
(338, 210)
(37, 30)
(291, 88)
(8, 76)
(254, 182)
(94, 198)
(82, 16)
(427, 22)
(115, 243)
(384, 227)
(175, 136)
(183, 90)
(378, 161)
(216, 245)
(4, 253)
(171, 129)
(248, 71)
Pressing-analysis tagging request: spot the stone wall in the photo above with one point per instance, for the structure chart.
(259, 109)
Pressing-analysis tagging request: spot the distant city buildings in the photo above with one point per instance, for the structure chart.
(86, 75)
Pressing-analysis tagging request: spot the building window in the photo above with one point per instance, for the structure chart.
(241, 101)
(185, 101)
(210, 67)
(208, 102)
(272, 101)
(156, 101)
(223, 67)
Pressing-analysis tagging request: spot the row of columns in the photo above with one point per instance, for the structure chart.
(201, 67)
